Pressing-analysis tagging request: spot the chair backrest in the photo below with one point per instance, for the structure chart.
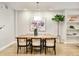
(21, 41)
(36, 41)
(50, 41)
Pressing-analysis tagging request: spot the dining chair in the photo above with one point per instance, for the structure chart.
(22, 42)
(36, 43)
(50, 43)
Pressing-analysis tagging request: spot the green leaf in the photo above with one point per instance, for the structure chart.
(58, 18)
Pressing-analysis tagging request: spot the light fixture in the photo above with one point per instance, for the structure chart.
(37, 6)
(37, 3)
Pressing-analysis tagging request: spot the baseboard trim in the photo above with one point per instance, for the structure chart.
(4, 47)
(71, 42)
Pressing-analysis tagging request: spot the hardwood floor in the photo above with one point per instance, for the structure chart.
(62, 50)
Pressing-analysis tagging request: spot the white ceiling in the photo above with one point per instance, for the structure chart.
(43, 5)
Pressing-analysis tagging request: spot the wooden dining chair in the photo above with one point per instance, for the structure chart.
(50, 43)
(22, 42)
(36, 43)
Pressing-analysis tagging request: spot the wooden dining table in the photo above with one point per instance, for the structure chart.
(38, 36)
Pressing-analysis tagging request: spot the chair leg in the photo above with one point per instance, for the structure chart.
(45, 46)
(31, 45)
(20, 48)
(31, 49)
(54, 51)
(45, 50)
(26, 49)
(17, 50)
(26, 45)
(40, 49)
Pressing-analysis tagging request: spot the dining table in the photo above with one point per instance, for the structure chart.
(38, 36)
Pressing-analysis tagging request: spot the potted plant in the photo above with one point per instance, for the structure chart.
(58, 19)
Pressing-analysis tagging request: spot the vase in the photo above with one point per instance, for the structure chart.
(35, 32)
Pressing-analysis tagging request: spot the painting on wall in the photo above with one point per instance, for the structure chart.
(38, 23)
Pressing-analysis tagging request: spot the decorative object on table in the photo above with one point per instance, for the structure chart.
(35, 32)
(58, 18)
(37, 22)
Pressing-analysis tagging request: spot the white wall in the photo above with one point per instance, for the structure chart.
(7, 32)
(24, 17)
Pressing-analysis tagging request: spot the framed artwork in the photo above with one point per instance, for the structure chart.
(38, 23)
